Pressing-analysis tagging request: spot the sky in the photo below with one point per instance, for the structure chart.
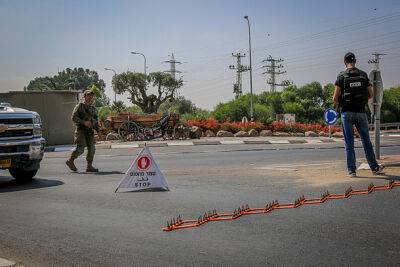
(41, 37)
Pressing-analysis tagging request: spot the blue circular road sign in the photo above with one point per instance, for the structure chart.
(330, 116)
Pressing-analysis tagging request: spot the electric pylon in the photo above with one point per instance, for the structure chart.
(237, 87)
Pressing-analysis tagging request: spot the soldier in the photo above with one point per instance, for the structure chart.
(86, 120)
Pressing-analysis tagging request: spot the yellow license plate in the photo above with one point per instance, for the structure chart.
(5, 163)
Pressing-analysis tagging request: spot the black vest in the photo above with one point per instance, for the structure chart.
(354, 95)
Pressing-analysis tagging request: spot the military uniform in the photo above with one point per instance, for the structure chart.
(84, 137)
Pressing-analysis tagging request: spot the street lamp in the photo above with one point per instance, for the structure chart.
(251, 73)
(115, 93)
(137, 53)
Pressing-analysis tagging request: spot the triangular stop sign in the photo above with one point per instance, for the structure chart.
(143, 175)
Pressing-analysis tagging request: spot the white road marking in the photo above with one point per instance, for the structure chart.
(180, 143)
(125, 146)
(279, 141)
(62, 149)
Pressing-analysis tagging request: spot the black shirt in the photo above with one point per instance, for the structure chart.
(340, 82)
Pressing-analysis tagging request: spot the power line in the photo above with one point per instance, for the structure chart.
(338, 30)
(338, 45)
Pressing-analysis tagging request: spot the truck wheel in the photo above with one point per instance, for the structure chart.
(22, 175)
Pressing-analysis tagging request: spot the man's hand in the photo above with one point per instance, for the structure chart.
(336, 95)
(88, 124)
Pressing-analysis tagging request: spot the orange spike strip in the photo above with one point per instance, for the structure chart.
(383, 187)
(359, 192)
(285, 206)
(348, 192)
(179, 223)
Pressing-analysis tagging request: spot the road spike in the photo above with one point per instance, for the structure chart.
(371, 186)
(349, 189)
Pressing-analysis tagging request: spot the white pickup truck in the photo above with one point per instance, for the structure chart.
(21, 142)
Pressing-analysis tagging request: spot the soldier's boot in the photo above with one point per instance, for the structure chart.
(90, 167)
(71, 165)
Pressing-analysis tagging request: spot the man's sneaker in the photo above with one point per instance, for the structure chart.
(352, 174)
(378, 170)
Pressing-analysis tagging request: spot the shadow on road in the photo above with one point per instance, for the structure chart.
(101, 172)
(381, 177)
(10, 185)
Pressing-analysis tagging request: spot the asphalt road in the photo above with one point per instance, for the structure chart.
(76, 219)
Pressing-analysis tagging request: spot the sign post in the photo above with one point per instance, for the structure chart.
(375, 108)
(330, 117)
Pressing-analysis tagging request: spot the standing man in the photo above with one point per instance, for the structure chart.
(86, 120)
(352, 91)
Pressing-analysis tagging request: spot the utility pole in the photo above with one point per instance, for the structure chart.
(274, 68)
(172, 69)
(375, 107)
(237, 87)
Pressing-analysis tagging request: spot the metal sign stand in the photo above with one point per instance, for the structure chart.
(376, 79)
(377, 125)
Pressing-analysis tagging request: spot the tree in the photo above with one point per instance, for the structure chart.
(78, 79)
(179, 105)
(118, 107)
(41, 84)
(273, 100)
(138, 85)
(238, 108)
(391, 105)
(308, 102)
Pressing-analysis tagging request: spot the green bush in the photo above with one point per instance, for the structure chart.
(234, 110)
(104, 112)
(134, 109)
(263, 113)
(198, 115)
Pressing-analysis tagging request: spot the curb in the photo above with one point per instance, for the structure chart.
(7, 263)
(65, 148)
